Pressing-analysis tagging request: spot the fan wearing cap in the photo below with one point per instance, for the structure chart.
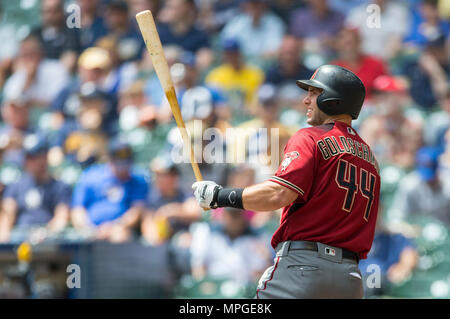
(393, 132)
(221, 249)
(129, 43)
(109, 198)
(117, 76)
(93, 66)
(267, 117)
(169, 210)
(92, 22)
(239, 80)
(59, 41)
(428, 73)
(328, 187)
(427, 23)
(198, 102)
(37, 199)
(423, 192)
(204, 104)
(206, 129)
(84, 139)
(186, 77)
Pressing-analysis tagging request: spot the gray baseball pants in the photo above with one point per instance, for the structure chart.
(303, 274)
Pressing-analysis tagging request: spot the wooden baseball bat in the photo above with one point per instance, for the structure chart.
(153, 43)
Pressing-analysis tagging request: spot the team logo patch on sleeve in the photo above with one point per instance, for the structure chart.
(288, 158)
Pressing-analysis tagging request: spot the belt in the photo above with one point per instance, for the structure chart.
(310, 245)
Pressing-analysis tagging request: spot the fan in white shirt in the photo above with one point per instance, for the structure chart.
(35, 79)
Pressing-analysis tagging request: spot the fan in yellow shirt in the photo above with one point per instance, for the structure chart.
(248, 139)
(240, 81)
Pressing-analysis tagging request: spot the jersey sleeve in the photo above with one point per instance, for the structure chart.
(296, 171)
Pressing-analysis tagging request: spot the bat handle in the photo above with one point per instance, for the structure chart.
(172, 98)
(187, 144)
(197, 173)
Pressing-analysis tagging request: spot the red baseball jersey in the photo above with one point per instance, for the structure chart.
(337, 179)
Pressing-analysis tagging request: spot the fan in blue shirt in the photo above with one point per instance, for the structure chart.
(37, 199)
(108, 198)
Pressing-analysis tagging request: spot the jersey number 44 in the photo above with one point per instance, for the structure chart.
(352, 180)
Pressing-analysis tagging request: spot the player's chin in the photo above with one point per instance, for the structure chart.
(310, 120)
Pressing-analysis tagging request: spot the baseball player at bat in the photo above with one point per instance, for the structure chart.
(328, 186)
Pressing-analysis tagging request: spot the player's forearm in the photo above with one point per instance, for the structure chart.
(266, 196)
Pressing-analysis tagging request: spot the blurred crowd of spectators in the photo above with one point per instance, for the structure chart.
(87, 135)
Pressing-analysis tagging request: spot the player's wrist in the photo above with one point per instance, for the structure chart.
(214, 203)
(229, 197)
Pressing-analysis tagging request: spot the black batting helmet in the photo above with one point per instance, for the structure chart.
(339, 85)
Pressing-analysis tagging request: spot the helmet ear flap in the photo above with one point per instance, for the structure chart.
(329, 105)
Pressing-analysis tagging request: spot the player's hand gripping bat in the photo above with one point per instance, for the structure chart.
(153, 43)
